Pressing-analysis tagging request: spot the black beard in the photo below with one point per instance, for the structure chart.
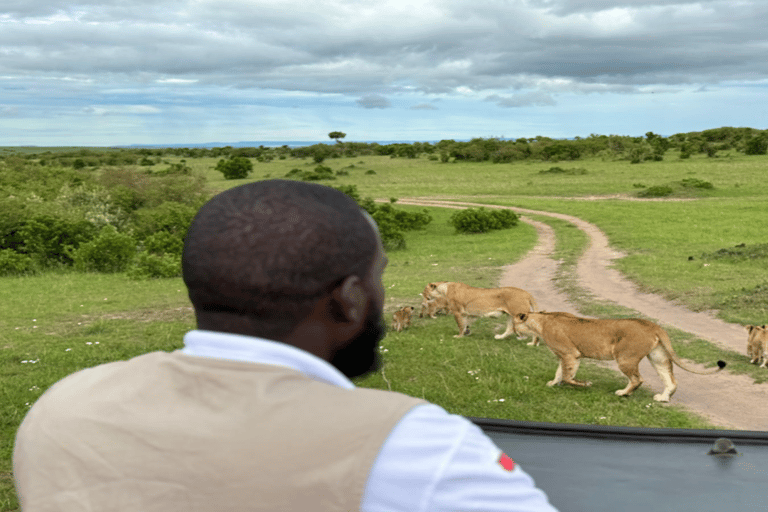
(361, 356)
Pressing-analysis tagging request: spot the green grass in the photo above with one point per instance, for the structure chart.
(45, 315)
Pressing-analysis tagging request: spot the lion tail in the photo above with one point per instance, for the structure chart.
(663, 338)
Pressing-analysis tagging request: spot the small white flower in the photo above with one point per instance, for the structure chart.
(34, 319)
(88, 343)
(501, 399)
(67, 350)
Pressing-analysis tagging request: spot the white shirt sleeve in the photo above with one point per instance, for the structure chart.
(434, 461)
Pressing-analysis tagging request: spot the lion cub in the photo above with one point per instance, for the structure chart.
(431, 305)
(757, 344)
(402, 318)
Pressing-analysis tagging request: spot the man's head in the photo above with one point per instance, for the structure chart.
(293, 262)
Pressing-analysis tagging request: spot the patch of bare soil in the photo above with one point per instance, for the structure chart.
(727, 400)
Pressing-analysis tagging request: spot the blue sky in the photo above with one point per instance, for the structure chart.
(193, 71)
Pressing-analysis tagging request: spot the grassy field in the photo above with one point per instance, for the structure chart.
(57, 323)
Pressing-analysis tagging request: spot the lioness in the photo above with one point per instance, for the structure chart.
(402, 318)
(465, 301)
(431, 306)
(757, 344)
(626, 340)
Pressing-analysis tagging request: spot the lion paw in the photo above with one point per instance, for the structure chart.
(553, 383)
(661, 398)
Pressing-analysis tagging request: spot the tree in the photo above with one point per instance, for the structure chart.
(235, 168)
(337, 135)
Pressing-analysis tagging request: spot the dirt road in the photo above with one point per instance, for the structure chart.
(727, 400)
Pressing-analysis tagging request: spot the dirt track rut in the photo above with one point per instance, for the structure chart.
(727, 400)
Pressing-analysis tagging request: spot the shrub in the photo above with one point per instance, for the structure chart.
(170, 217)
(696, 183)
(757, 145)
(110, 251)
(656, 191)
(390, 221)
(393, 222)
(575, 171)
(148, 266)
(94, 203)
(482, 220)
(320, 173)
(165, 243)
(236, 168)
(13, 263)
(51, 238)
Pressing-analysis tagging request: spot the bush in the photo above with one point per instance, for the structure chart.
(110, 251)
(696, 183)
(165, 243)
(149, 266)
(51, 238)
(13, 263)
(482, 220)
(320, 173)
(236, 168)
(170, 217)
(757, 145)
(574, 171)
(656, 191)
(390, 221)
(393, 222)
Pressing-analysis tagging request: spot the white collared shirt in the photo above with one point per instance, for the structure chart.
(432, 461)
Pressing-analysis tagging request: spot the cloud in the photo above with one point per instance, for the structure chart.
(8, 111)
(527, 99)
(374, 101)
(213, 57)
(121, 110)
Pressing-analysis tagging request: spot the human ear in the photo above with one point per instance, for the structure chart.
(351, 299)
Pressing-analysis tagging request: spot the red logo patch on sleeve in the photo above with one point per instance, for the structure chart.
(505, 462)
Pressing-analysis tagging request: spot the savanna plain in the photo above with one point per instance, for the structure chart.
(704, 247)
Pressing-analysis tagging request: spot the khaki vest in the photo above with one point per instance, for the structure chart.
(168, 432)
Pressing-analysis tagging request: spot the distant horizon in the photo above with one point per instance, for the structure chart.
(304, 143)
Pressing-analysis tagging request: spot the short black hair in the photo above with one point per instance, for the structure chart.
(270, 249)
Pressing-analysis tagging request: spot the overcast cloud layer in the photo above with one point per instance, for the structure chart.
(145, 72)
